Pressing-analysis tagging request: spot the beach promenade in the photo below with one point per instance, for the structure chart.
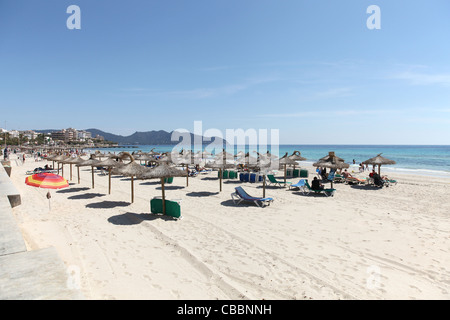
(363, 243)
(29, 275)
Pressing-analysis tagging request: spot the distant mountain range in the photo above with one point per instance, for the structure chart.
(153, 137)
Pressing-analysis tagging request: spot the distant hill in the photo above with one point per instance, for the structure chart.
(149, 137)
(153, 137)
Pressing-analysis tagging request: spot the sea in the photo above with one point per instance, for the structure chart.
(429, 160)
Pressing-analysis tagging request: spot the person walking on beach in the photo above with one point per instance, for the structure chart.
(23, 157)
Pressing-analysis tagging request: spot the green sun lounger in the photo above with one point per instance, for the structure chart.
(271, 180)
(173, 208)
(168, 180)
(307, 190)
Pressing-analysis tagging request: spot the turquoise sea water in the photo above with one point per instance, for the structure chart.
(420, 159)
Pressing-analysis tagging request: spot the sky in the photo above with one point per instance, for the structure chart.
(311, 69)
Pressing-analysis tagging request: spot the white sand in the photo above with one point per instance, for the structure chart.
(390, 243)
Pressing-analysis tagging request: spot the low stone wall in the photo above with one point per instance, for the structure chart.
(29, 275)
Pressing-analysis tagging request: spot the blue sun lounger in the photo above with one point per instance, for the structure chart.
(300, 184)
(240, 195)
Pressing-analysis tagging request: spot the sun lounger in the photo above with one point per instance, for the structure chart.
(37, 170)
(272, 180)
(300, 184)
(354, 180)
(389, 182)
(339, 178)
(240, 195)
(307, 190)
(168, 180)
(173, 208)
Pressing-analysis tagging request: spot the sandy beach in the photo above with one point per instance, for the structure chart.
(363, 243)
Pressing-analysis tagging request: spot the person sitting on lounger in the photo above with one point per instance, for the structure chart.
(347, 174)
(316, 184)
(377, 180)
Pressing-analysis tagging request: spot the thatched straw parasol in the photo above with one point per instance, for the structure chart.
(71, 161)
(220, 164)
(223, 155)
(296, 156)
(163, 171)
(264, 165)
(144, 157)
(200, 156)
(131, 169)
(286, 160)
(58, 160)
(109, 163)
(51, 157)
(331, 161)
(92, 163)
(240, 154)
(185, 160)
(331, 157)
(378, 161)
(248, 161)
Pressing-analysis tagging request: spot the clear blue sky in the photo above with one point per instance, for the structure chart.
(311, 69)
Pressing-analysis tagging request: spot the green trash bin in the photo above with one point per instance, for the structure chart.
(168, 180)
(296, 173)
(225, 174)
(303, 173)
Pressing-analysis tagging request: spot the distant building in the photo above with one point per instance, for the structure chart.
(30, 134)
(59, 135)
(13, 133)
(99, 137)
(65, 135)
(84, 135)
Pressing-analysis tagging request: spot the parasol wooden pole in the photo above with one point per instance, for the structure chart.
(264, 185)
(62, 170)
(220, 175)
(132, 189)
(163, 196)
(187, 177)
(109, 180)
(78, 174)
(92, 171)
(70, 172)
(379, 170)
(285, 172)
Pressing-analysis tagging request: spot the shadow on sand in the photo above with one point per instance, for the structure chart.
(70, 190)
(230, 203)
(150, 183)
(365, 187)
(169, 187)
(311, 194)
(131, 218)
(85, 196)
(107, 204)
(202, 194)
